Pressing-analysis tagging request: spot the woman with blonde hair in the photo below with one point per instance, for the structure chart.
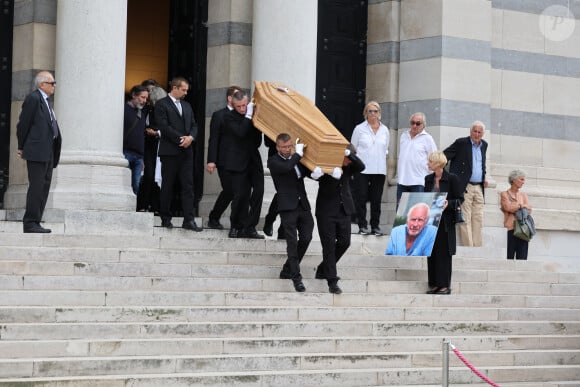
(439, 263)
(512, 200)
(371, 139)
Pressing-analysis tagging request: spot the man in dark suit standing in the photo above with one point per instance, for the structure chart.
(467, 158)
(39, 143)
(215, 161)
(334, 207)
(293, 205)
(176, 124)
(239, 147)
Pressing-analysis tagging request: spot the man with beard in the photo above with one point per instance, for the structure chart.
(134, 133)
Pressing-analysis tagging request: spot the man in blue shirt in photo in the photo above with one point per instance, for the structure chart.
(416, 237)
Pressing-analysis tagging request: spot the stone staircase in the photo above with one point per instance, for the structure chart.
(175, 308)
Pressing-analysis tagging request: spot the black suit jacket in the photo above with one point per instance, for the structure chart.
(215, 131)
(173, 126)
(34, 131)
(460, 156)
(334, 194)
(239, 143)
(449, 183)
(289, 187)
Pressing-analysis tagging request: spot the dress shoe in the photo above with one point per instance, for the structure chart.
(191, 226)
(268, 228)
(432, 290)
(285, 275)
(36, 229)
(377, 231)
(233, 233)
(252, 234)
(443, 291)
(334, 289)
(166, 223)
(364, 231)
(214, 224)
(299, 286)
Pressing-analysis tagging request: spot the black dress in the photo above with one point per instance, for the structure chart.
(439, 263)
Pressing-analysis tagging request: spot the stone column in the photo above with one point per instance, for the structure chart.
(91, 187)
(284, 43)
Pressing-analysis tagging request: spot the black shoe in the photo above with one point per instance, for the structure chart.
(166, 223)
(299, 286)
(233, 233)
(35, 229)
(443, 291)
(214, 224)
(252, 234)
(364, 230)
(334, 289)
(432, 290)
(191, 226)
(377, 231)
(268, 230)
(285, 275)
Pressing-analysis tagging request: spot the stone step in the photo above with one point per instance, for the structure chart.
(285, 297)
(263, 328)
(507, 376)
(85, 366)
(462, 284)
(15, 349)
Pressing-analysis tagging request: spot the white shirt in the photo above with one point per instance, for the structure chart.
(413, 153)
(372, 148)
(177, 104)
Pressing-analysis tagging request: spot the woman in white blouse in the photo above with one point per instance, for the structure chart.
(371, 139)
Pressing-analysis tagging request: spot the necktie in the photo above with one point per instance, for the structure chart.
(53, 122)
(178, 104)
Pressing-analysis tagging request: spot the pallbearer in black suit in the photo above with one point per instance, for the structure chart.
(293, 206)
(334, 207)
(175, 121)
(215, 160)
(39, 143)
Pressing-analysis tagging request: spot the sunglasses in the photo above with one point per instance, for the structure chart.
(416, 123)
(372, 111)
(51, 83)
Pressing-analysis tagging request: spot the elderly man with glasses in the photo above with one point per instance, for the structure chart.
(414, 149)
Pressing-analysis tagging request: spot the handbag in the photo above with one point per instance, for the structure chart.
(524, 226)
(457, 212)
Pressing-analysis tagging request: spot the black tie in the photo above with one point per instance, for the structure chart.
(52, 119)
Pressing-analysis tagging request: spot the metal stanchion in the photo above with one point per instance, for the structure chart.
(445, 358)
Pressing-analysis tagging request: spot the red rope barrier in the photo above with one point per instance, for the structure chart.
(471, 367)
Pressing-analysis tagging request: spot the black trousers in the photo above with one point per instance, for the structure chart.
(334, 233)
(369, 188)
(180, 168)
(148, 196)
(256, 178)
(225, 196)
(298, 225)
(39, 178)
(516, 247)
(439, 263)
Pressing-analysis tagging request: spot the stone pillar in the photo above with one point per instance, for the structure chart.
(290, 57)
(91, 187)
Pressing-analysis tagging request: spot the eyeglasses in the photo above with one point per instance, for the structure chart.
(51, 83)
(418, 123)
(372, 111)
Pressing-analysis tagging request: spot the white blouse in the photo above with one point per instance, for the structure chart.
(372, 148)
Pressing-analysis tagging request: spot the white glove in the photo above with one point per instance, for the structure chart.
(317, 173)
(300, 149)
(250, 110)
(347, 152)
(337, 173)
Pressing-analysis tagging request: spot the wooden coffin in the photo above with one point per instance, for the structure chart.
(279, 109)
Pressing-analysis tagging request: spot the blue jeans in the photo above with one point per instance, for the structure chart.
(136, 166)
(407, 188)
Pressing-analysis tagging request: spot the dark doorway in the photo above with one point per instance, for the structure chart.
(6, 26)
(188, 59)
(341, 62)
